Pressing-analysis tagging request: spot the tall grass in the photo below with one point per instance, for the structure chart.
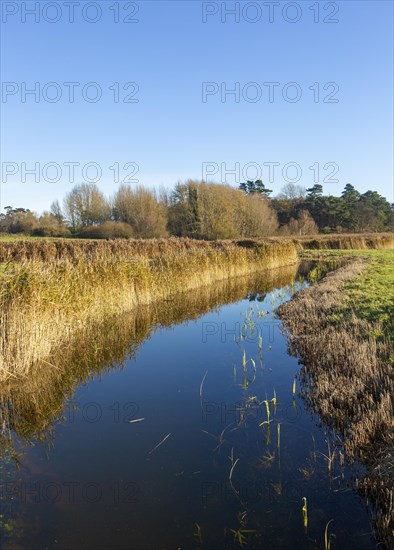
(50, 290)
(347, 242)
(30, 405)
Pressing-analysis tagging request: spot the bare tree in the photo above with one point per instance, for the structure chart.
(304, 224)
(292, 192)
(86, 205)
(141, 209)
(216, 211)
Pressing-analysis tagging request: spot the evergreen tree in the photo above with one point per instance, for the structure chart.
(255, 188)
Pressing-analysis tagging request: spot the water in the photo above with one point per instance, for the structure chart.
(80, 474)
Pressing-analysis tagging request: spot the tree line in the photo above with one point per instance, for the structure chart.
(202, 210)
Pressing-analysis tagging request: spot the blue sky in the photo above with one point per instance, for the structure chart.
(170, 52)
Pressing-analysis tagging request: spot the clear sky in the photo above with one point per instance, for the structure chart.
(336, 116)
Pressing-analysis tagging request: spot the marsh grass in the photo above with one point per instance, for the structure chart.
(50, 290)
(345, 342)
(30, 406)
(355, 241)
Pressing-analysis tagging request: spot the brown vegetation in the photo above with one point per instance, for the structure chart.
(75, 249)
(141, 210)
(348, 379)
(353, 241)
(50, 290)
(216, 211)
(30, 406)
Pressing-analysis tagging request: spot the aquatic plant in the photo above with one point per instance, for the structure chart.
(329, 457)
(267, 408)
(230, 477)
(202, 383)
(197, 534)
(160, 443)
(327, 536)
(246, 381)
(304, 513)
(273, 401)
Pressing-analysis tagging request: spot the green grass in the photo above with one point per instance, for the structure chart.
(371, 295)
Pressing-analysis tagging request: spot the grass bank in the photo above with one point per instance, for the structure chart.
(51, 290)
(345, 339)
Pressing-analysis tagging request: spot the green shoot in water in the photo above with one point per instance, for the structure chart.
(267, 407)
(273, 400)
(268, 441)
(245, 362)
(305, 513)
(327, 537)
(197, 534)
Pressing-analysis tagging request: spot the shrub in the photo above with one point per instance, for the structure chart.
(107, 230)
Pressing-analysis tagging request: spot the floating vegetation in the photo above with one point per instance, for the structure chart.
(160, 443)
(268, 459)
(241, 534)
(136, 420)
(202, 383)
(230, 477)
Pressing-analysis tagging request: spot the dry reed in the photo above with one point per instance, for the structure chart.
(348, 379)
(50, 290)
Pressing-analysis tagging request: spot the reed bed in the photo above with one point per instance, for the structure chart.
(376, 241)
(74, 249)
(51, 290)
(348, 379)
(98, 250)
(29, 406)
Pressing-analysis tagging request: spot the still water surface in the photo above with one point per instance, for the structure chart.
(181, 445)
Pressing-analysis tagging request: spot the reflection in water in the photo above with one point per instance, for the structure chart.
(29, 410)
(201, 440)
